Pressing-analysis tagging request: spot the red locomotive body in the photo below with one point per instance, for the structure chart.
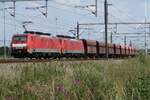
(46, 45)
(72, 47)
(33, 45)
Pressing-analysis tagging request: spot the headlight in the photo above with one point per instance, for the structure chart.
(19, 46)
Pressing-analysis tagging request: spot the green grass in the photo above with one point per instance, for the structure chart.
(95, 80)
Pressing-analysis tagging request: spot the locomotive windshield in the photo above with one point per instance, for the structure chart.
(20, 38)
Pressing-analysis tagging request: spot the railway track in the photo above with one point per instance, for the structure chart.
(12, 61)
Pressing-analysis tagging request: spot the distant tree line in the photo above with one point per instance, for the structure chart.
(8, 51)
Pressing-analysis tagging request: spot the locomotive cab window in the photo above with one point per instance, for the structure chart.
(20, 38)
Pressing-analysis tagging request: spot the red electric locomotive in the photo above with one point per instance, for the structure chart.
(35, 44)
(71, 47)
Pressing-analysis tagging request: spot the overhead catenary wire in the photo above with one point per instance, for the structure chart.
(122, 11)
(36, 24)
(36, 17)
(59, 8)
(69, 11)
(73, 7)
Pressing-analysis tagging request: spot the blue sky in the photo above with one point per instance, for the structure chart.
(68, 15)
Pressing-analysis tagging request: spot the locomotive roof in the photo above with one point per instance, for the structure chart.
(38, 33)
(64, 36)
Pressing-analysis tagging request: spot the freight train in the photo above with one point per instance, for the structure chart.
(42, 45)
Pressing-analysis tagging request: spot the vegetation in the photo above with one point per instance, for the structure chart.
(95, 80)
(2, 51)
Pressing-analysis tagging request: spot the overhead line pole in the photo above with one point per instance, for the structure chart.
(56, 19)
(106, 27)
(96, 8)
(14, 5)
(125, 40)
(146, 2)
(111, 37)
(4, 17)
(14, 15)
(78, 30)
(46, 6)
